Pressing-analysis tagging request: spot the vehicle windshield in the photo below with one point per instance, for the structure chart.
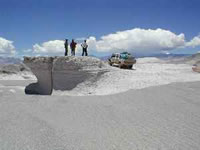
(125, 55)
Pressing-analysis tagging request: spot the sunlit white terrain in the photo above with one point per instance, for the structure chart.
(149, 71)
(155, 106)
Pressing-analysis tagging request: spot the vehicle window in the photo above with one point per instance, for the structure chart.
(123, 56)
(113, 55)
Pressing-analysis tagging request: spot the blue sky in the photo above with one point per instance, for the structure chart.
(28, 22)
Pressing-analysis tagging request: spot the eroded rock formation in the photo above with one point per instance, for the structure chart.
(61, 73)
(196, 67)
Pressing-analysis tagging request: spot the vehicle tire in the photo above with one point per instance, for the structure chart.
(130, 67)
(109, 62)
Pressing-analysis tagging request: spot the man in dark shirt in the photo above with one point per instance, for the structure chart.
(73, 47)
(66, 47)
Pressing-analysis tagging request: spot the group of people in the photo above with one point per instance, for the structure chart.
(73, 44)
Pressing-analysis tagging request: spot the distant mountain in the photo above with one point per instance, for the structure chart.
(104, 58)
(160, 55)
(193, 58)
(13, 68)
(10, 60)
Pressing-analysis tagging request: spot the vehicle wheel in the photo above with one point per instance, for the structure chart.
(109, 62)
(120, 66)
(130, 67)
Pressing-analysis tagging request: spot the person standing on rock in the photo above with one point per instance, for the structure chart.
(73, 47)
(66, 47)
(84, 46)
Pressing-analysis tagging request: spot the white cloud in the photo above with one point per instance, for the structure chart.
(194, 42)
(56, 46)
(52, 47)
(80, 39)
(134, 40)
(138, 40)
(6, 47)
(27, 51)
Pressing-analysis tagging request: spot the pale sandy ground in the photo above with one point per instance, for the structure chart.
(148, 71)
(162, 117)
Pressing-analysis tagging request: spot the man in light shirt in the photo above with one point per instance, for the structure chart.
(84, 46)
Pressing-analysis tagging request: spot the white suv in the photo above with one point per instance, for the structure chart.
(123, 60)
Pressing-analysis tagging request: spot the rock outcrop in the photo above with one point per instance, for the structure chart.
(61, 73)
(196, 67)
(195, 61)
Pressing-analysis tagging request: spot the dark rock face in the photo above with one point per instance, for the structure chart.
(42, 69)
(61, 73)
